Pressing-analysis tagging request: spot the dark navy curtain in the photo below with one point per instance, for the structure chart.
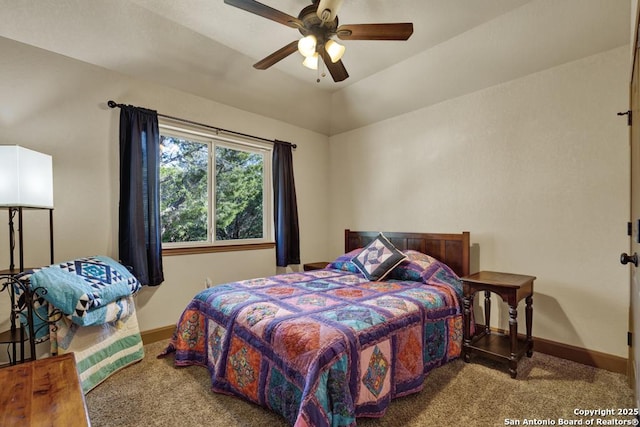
(285, 206)
(139, 234)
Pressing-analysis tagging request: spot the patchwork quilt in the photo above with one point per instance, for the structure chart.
(322, 347)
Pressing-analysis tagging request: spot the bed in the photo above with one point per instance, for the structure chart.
(324, 347)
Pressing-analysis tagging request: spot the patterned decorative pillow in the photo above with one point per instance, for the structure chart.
(343, 262)
(413, 267)
(378, 258)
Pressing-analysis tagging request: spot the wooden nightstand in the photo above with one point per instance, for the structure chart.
(315, 265)
(512, 288)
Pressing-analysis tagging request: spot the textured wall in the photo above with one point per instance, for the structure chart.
(58, 106)
(537, 169)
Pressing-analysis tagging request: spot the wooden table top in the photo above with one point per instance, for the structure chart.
(495, 278)
(43, 392)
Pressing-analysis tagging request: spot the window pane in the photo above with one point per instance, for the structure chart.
(183, 190)
(239, 194)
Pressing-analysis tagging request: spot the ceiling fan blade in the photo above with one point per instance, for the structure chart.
(397, 31)
(337, 69)
(266, 12)
(276, 56)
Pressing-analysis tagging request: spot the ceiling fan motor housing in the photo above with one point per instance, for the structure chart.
(313, 25)
(328, 9)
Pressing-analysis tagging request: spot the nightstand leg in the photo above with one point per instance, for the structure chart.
(513, 335)
(529, 316)
(466, 341)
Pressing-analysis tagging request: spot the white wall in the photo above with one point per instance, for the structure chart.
(537, 169)
(57, 105)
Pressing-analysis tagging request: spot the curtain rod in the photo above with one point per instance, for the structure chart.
(113, 104)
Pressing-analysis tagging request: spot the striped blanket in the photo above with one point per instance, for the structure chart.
(100, 350)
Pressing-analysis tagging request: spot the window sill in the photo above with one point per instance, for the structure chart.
(218, 248)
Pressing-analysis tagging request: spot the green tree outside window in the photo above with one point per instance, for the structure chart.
(184, 191)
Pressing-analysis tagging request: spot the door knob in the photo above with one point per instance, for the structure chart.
(624, 258)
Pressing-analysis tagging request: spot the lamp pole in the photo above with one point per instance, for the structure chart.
(12, 239)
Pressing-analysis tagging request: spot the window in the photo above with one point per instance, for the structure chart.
(213, 190)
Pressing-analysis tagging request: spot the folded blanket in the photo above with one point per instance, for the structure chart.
(117, 311)
(100, 350)
(44, 313)
(83, 288)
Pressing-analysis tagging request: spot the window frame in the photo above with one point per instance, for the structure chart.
(214, 139)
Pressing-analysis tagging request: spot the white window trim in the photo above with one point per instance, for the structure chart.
(213, 139)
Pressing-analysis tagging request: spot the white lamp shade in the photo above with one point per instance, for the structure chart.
(307, 45)
(26, 178)
(311, 61)
(334, 49)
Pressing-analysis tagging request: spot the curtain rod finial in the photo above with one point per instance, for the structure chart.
(111, 104)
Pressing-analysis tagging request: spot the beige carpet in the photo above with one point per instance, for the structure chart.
(481, 393)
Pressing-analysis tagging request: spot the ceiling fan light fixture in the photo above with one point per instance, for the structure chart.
(307, 45)
(311, 61)
(320, 19)
(335, 50)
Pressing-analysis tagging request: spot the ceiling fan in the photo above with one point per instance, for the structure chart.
(318, 23)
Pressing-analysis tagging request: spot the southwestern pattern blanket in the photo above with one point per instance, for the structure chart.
(323, 347)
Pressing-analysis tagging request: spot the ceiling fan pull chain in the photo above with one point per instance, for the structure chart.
(321, 71)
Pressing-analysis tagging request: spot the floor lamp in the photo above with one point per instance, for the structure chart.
(26, 182)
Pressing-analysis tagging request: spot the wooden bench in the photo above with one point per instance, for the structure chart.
(44, 392)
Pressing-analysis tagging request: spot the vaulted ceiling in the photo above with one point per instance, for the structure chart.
(207, 48)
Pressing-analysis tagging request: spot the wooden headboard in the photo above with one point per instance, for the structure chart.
(452, 249)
